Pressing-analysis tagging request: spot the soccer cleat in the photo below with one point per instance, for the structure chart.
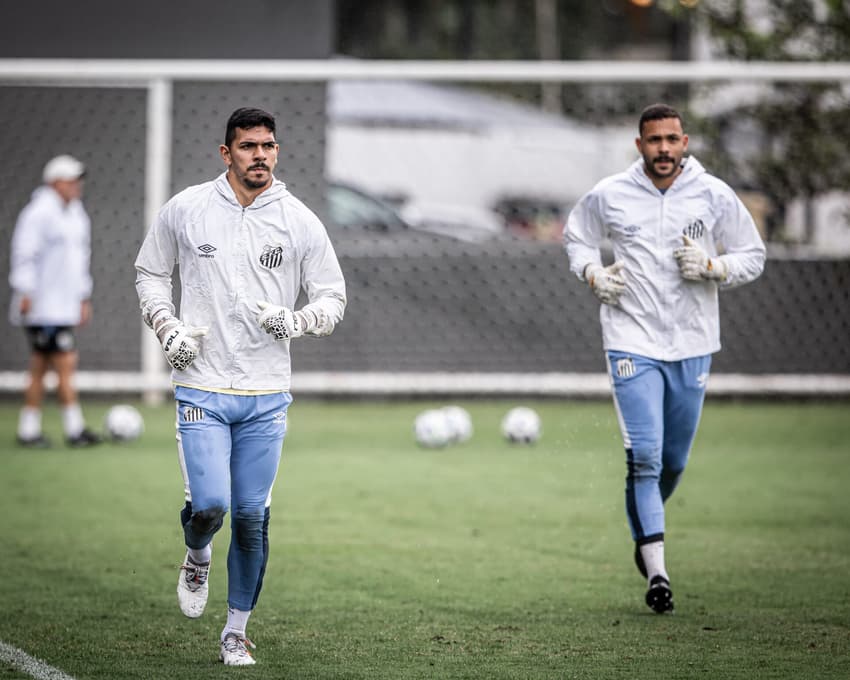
(37, 442)
(659, 597)
(639, 562)
(192, 588)
(234, 651)
(85, 438)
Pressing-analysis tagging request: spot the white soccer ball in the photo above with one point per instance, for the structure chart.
(432, 430)
(521, 425)
(123, 423)
(460, 423)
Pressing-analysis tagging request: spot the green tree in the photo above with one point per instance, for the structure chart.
(799, 133)
(518, 30)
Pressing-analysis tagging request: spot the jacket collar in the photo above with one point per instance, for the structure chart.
(275, 192)
(691, 170)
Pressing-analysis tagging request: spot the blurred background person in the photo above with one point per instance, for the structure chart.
(51, 295)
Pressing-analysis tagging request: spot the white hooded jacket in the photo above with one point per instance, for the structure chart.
(50, 259)
(661, 315)
(229, 258)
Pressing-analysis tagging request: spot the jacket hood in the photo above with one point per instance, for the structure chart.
(45, 191)
(47, 194)
(275, 192)
(691, 170)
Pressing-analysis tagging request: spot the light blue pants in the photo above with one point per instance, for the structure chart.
(229, 447)
(658, 405)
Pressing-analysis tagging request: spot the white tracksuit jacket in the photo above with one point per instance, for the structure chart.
(661, 315)
(51, 253)
(229, 258)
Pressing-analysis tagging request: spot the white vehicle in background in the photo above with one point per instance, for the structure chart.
(455, 154)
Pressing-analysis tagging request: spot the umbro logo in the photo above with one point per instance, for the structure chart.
(207, 250)
(280, 418)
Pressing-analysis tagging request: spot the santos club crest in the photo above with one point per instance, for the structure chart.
(272, 256)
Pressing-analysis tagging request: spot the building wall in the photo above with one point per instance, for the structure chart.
(163, 29)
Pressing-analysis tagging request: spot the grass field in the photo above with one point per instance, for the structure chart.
(479, 561)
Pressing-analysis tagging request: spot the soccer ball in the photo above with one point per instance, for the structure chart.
(521, 425)
(123, 423)
(432, 429)
(460, 424)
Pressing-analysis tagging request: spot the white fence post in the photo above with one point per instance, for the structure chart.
(157, 185)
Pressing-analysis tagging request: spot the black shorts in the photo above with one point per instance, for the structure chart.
(51, 339)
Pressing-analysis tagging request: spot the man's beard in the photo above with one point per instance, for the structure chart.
(674, 166)
(253, 184)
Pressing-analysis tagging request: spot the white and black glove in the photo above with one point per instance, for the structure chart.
(281, 322)
(315, 322)
(286, 324)
(607, 283)
(695, 264)
(179, 341)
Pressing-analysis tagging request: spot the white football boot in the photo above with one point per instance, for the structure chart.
(192, 588)
(234, 651)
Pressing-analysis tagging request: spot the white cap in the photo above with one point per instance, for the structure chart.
(63, 168)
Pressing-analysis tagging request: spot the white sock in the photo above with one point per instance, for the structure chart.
(72, 420)
(202, 556)
(237, 622)
(29, 422)
(653, 558)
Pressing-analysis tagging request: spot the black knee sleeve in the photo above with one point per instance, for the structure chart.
(249, 530)
(203, 522)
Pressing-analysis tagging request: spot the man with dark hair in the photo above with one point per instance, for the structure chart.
(658, 112)
(245, 247)
(247, 118)
(679, 235)
(52, 286)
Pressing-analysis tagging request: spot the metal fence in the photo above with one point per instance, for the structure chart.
(469, 292)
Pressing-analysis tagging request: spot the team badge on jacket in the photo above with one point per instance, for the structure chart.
(272, 256)
(695, 229)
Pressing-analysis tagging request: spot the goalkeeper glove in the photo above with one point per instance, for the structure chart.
(180, 344)
(315, 322)
(282, 323)
(179, 341)
(695, 264)
(606, 282)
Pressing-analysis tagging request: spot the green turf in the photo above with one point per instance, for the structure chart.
(480, 561)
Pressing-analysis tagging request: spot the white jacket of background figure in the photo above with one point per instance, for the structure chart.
(661, 315)
(229, 258)
(51, 254)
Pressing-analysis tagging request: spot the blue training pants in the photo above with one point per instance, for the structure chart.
(229, 447)
(658, 406)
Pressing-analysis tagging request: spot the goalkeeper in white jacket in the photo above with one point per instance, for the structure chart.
(678, 236)
(246, 248)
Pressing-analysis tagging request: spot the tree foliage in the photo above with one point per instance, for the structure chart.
(499, 29)
(799, 132)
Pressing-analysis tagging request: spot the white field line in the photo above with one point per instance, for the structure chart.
(21, 661)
